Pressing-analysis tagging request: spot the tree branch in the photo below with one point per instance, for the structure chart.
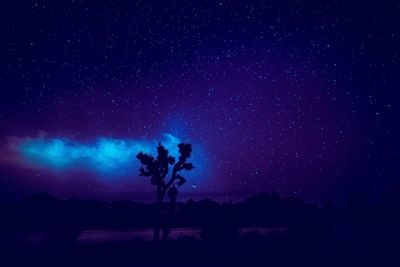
(173, 176)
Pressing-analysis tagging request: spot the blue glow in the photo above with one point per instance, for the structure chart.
(107, 156)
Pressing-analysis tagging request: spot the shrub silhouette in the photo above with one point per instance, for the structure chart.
(157, 169)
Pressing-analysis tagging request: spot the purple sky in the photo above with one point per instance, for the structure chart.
(281, 95)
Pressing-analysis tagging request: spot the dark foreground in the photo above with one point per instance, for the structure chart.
(359, 234)
(273, 250)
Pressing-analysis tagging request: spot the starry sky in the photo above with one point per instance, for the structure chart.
(297, 96)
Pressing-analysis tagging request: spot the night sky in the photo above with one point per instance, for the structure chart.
(297, 96)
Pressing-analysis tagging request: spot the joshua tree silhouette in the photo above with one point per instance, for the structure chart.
(157, 169)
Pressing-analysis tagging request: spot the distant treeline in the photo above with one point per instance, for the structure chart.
(43, 212)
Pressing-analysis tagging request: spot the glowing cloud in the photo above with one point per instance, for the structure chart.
(106, 155)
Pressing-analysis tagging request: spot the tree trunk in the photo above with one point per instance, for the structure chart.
(157, 227)
(167, 227)
(156, 236)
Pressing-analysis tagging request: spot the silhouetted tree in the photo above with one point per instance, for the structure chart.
(157, 169)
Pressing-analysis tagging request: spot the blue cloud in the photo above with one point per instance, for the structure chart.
(104, 161)
(105, 155)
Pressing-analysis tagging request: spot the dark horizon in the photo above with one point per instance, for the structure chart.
(220, 197)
